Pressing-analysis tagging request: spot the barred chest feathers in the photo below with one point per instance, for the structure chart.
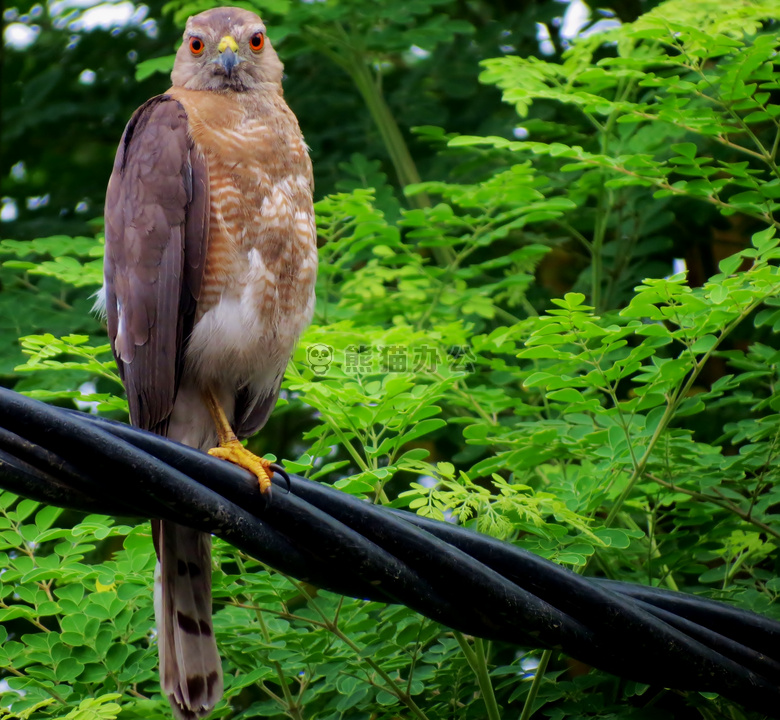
(258, 287)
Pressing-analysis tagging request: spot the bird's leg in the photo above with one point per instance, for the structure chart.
(230, 448)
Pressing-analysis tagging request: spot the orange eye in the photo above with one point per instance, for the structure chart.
(196, 46)
(256, 42)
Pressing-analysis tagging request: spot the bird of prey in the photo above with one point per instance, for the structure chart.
(210, 266)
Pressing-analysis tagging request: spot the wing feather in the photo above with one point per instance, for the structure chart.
(156, 241)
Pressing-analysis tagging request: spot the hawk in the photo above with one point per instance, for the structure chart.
(210, 264)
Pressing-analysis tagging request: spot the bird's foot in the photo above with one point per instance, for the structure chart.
(236, 453)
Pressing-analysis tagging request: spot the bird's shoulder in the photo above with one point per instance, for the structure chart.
(160, 114)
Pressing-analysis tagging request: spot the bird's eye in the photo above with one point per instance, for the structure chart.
(256, 42)
(196, 46)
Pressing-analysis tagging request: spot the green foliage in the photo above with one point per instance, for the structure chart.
(71, 628)
(47, 356)
(60, 127)
(685, 111)
(67, 265)
(504, 345)
(100, 708)
(43, 291)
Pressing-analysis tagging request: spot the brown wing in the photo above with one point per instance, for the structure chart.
(252, 411)
(157, 213)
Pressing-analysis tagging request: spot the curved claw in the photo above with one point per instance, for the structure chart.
(279, 470)
(235, 452)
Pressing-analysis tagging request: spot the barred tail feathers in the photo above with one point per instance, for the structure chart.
(190, 668)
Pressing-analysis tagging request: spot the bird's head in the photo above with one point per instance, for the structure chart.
(226, 50)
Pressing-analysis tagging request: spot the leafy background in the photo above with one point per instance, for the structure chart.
(547, 303)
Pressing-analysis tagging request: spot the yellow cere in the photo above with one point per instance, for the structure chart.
(227, 42)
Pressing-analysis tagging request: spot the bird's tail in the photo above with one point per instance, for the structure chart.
(190, 668)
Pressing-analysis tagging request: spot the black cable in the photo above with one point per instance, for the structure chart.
(470, 582)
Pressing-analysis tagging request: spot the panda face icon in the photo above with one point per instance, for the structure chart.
(319, 357)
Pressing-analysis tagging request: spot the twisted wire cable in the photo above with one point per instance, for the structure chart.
(318, 534)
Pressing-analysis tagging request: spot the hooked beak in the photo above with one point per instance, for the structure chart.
(228, 57)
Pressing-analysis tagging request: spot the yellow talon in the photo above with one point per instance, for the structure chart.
(235, 452)
(231, 449)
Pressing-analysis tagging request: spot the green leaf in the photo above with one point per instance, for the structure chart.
(46, 517)
(687, 149)
(566, 395)
(385, 698)
(704, 344)
(146, 68)
(68, 670)
(426, 427)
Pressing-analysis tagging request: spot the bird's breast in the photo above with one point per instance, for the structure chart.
(258, 288)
